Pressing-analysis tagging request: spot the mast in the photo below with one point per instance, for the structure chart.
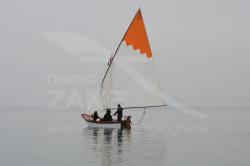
(139, 10)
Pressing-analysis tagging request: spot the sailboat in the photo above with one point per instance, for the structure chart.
(130, 79)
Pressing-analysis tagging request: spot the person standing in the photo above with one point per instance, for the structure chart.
(119, 112)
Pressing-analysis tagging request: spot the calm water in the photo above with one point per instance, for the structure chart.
(171, 138)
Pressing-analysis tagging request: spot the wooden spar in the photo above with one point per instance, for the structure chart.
(118, 47)
(152, 106)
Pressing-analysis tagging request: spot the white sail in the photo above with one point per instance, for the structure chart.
(131, 79)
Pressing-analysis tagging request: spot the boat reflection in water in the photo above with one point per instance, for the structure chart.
(122, 147)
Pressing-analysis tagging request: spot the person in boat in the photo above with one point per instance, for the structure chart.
(95, 116)
(107, 116)
(119, 112)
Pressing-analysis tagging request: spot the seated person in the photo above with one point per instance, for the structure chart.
(107, 116)
(95, 116)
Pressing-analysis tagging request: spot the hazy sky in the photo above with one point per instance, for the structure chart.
(202, 48)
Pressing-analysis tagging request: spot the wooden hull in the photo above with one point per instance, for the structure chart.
(105, 124)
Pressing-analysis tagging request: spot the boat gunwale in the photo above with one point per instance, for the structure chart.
(99, 122)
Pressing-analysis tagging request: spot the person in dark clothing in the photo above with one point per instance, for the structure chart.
(119, 112)
(95, 116)
(107, 116)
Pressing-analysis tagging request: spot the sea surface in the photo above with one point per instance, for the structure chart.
(163, 138)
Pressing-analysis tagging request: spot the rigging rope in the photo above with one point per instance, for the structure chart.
(141, 119)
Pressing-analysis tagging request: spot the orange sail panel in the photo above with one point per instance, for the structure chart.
(137, 35)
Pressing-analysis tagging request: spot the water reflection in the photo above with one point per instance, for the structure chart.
(123, 147)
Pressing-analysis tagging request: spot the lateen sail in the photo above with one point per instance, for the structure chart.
(131, 79)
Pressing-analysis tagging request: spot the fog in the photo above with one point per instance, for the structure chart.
(201, 48)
